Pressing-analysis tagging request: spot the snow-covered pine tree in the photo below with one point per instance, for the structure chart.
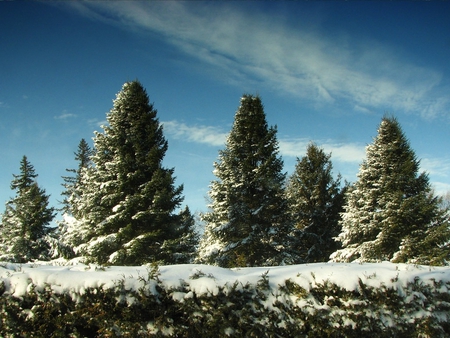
(127, 206)
(429, 244)
(26, 218)
(248, 223)
(315, 202)
(390, 212)
(70, 230)
(72, 184)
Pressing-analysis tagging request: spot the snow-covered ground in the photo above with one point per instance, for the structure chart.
(18, 278)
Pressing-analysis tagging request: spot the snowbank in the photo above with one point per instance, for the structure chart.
(18, 277)
(289, 299)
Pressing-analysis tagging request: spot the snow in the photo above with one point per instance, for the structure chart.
(206, 280)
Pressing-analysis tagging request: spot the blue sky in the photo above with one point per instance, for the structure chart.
(326, 72)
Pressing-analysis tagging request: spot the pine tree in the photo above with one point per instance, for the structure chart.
(316, 200)
(127, 206)
(391, 213)
(26, 219)
(182, 249)
(247, 224)
(72, 184)
(69, 234)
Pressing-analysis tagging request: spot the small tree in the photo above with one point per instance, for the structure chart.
(182, 249)
(247, 224)
(70, 231)
(26, 219)
(316, 200)
(72, 184)
(391, 213)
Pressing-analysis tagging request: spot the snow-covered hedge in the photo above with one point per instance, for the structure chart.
(316, 300)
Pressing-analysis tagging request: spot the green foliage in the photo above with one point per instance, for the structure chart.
(416, 309)
(127, 201)
(315, 202)
(391, 213)
(182, 248)
(248, 217)
(25, 221)
(73, 184)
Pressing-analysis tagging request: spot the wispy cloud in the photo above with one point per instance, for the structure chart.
(96, 123)
(305, 64)
(214, 136)
(346, 152)
(441, 188)
(343, 152)
(64, 116)
(199, 134)
(439, 167)
(439, 171)
(346, 156)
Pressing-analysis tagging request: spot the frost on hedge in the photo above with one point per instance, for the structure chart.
(318, 300)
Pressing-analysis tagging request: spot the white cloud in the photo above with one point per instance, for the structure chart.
(346, 152)
(342, 152)
(440, 188)
(64, 116)
(199, 134)
(305, 64)
(95, 123)
(293, 147)
(436, 167)
(214, 136)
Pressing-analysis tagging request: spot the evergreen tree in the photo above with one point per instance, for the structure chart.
(26, 219)
(247, 224)
(72, 184)
(126, 209)
(391, 213)
(182, 249)
(69, 234)
(316, 200)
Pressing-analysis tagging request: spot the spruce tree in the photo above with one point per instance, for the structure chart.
(391, 213)
(70, 233)
(72, 184)
(182, 248)
(315, 202)
(26, 218)
(247, 224)
(127, 206)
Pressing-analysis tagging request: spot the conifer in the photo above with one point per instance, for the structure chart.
(315, 202)
(128, 203)
(72, 184)
(26, 219)
(247, 224)
(391, 213)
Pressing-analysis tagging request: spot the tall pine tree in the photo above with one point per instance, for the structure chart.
(127, 206)
(247, 224)
(25, 222)
(391, 213)
(315, 200)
